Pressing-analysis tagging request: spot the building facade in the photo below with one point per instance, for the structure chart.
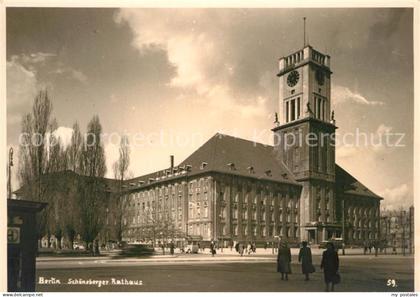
(232, 189)
(397, 228)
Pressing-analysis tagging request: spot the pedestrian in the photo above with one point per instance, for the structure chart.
(284, 257)
(90, 248)
(97, 251)
(265, 245)
(212, 249)
(241, 249)
(365, 247)
(370, 247)
(305, 257)
(172, 248)
(237, 247)
(249, 248)
(254, 247)
(329, 264)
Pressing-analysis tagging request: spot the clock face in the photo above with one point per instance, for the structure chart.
(292, 78)
(319, 75)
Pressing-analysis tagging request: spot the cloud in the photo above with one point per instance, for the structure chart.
(38, 57)
(397, 197)
(78, 75)
(197, 51)
(71, 73)
(381, 141)
(342, 95)
(22, 86)
(65, 134)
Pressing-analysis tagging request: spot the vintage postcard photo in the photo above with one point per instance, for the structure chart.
(210, 149)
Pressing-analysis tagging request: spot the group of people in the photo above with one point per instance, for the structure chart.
(241, 248)
(329, 263)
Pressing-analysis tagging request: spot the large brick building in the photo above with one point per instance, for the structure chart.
(232, 189)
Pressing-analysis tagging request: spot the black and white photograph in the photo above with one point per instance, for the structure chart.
(209, 149)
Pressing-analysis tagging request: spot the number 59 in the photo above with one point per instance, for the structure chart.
(391, 283)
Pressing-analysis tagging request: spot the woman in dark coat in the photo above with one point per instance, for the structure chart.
(305, 257)
(330, 264)
(284, 258)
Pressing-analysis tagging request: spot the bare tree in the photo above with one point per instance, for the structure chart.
(158, 226)
(92, 200)
(33, 155)
(120, 168)
(74, 151)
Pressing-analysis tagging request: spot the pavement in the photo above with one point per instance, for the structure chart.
(204, 273)
(227, 255)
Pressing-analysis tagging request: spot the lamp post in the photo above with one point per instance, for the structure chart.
(9, 177)
(403, 213)
(343, 226)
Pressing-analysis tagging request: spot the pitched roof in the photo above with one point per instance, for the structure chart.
(225, 154)
(232, 155)
(351, 185)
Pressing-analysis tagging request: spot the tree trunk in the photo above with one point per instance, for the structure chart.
(49, 240)
(71, 241)
(59, 242)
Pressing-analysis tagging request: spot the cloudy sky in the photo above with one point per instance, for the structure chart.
(181, 75)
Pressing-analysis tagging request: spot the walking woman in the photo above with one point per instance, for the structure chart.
(284, 258)
(305, 257)
(330, 263)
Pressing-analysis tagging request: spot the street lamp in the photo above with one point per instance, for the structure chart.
(9, 180)
(403, 213)
(343, 226)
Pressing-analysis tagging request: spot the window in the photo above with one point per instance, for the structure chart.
(236, 198)
(245, 214)
(198, 210)
(254, 214)
(263, 231)
(191, 210)
(289, 232)
(206, 211)
(254, 230)
(287, 111)
(235, 213)
(298, 107)
(293, 110)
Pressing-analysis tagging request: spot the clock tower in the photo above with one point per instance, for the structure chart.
(304, 138)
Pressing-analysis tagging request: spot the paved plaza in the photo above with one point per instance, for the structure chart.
(224, 272)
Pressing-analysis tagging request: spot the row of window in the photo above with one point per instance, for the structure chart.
(264, 201)
(362, 211)
(288, 215)
(293, 111)
(291, 231)
(200, 229)
(362, 235)
(320, 111)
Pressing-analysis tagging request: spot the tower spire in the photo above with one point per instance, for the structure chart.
(304, 31)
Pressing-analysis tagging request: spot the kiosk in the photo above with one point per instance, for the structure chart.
(21, 244)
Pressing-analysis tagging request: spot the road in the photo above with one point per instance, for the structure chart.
(207, 274)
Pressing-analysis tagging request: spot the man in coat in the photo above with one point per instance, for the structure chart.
(305, 257)
(284, 257)
(330, 265)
